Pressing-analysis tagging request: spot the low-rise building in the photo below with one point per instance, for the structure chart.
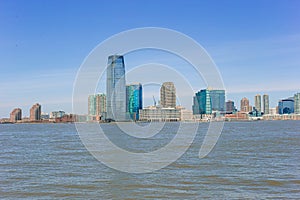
(159, 114)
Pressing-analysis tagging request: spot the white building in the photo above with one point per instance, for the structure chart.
(158, 114)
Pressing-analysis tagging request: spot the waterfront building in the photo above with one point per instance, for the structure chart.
(286, 106)
(208, 101)
(168, 95)
(159, 114)
(257, 103)
(245, 106)
(97, 105)
(266, 104)
(297, 103)
(134, 100)
(185, 115)
(57, 114)
(230, 106)
(16, 115)
(35, 112)
(116, 88)
(44, 116)
(273, 111)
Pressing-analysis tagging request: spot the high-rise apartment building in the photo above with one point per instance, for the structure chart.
(116, 88)
(209, 100)
(97, 105)
(257, 102)
(266, 104)
(245, 106)
(297, 103)
(35, 112)
(168, 95)
(16, 115)
(230, 106)
(134, 100)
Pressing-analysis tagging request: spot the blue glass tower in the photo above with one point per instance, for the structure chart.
(206, 101)
(286, 106)
(116, 88)
(134, 100)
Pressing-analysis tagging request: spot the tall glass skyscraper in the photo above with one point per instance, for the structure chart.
(116, 88)
(208, 100)
(134, 100)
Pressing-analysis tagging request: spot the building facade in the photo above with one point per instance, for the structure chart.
(116, 88)
(16, 115)
(230, 106)
(297, 103)
(168, 95)
(159, 114)
(35, 112)
(97, 105)
(266, 104)
(245, 106)
(57, 114)
(134, 100)
(207, 101)
(257, 103)
(286, 106)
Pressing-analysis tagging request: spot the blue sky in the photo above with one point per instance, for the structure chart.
(255, 44)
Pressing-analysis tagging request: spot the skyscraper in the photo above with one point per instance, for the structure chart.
(35, 112)
(266, 104)
(297, 103)
(134, 100)
(209, 100)
(168, 95)
(16, 115)
(116, 88)
(230, 106)
(245, 107)
(257, 100)
(97, 104)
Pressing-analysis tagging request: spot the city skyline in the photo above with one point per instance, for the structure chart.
(41, 52)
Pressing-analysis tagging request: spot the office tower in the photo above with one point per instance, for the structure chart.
(16, 115)
(266, 104)
(257, 103)
(230, 106)
(168, 95)
(245, 107)
(97, 104)
(286, 106)
(297, 103)
(209, 100)
(116, 88)
(35, 112)
(134, 100)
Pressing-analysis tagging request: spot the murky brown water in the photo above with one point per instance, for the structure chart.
(254, 160)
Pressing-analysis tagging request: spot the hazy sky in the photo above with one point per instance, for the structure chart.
(255, 45)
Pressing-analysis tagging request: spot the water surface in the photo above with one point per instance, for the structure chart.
(252, 160)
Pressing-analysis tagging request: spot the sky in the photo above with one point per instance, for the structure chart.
(254, 44)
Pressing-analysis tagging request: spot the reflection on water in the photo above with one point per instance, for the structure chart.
(251, 160)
